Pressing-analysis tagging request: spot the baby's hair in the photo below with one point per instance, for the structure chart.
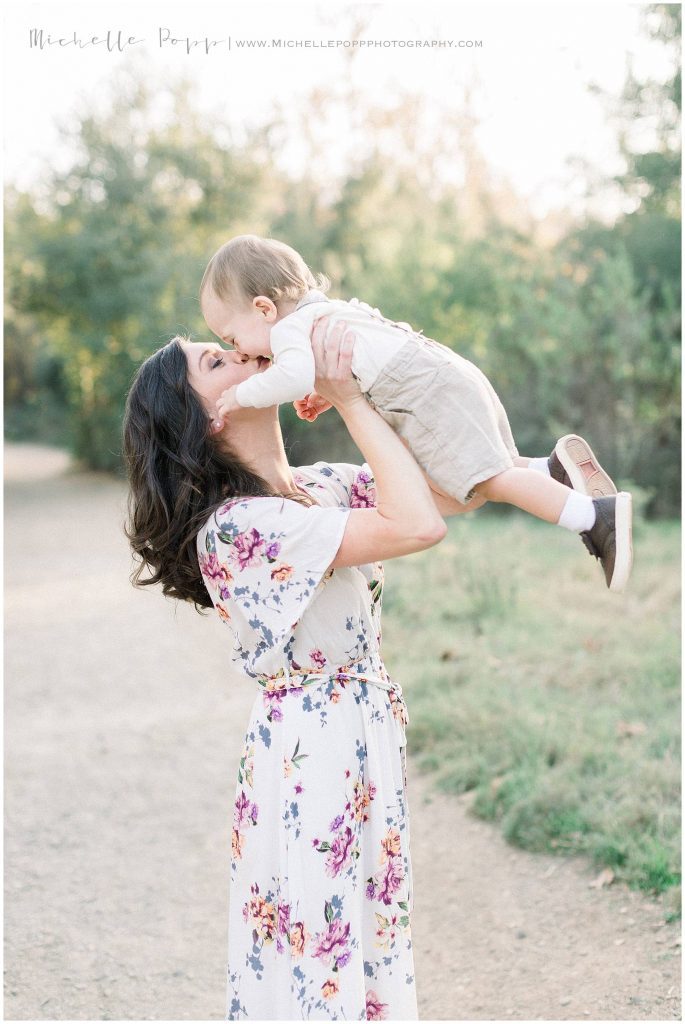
(248, 266)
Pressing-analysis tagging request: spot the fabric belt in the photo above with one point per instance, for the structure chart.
(303, 678)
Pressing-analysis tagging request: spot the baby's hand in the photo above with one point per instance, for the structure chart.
(311, 406)
(228, 402)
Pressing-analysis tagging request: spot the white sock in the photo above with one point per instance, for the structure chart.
(542, 465)
(578, 514)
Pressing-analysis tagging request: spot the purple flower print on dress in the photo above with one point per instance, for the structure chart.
(391, 881)
(339, 853)
(272, 550)
(386, 882)
(336, 823)
(363, 492)
(248, 548)
(283, 918)
(331, 945)
(343, 960)
(283, 925)
(244, 812)
(274, 694)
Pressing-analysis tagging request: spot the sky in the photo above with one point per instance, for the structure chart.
(528, 79)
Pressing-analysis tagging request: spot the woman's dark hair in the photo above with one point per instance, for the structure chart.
(178, 475)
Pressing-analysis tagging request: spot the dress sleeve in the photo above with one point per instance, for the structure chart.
(356, 485)
(262, 560)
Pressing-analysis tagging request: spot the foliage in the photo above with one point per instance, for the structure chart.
(104, 260)
(553, 703)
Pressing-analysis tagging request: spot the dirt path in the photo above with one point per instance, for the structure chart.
(123, 730)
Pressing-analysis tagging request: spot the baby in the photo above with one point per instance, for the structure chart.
(259, 296)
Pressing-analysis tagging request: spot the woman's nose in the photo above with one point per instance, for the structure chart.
(240, 357)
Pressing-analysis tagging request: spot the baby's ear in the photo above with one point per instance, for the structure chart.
(264, 305)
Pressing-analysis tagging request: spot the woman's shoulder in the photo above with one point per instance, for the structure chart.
(235, 513)
(351, 485)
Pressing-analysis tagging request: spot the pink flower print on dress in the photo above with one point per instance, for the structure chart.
(332, 944)
(317, 659)
(363, 795)
(248, 548)
(398, 707)
(274, 694)
(212, 569)
(282, 573)
(244, 814)
(329, 988)
(363, 492)
(391, 928)
(375, 1009)
(386, 882)
(391, 846)
(298, 939)
(391, 881)
(340, 853)
(237, 843)
(262, 913)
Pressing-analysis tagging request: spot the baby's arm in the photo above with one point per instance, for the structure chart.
(292, 374)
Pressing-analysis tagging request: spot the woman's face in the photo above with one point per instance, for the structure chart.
(212, 369)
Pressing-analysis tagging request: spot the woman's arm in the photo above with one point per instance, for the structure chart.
(405, 518)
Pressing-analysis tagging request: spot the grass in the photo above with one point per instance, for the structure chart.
(553, 702)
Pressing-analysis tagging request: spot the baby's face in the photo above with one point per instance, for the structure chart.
(246, 327)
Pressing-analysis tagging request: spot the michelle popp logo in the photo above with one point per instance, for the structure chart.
(119, 40)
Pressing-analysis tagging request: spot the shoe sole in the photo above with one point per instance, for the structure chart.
(624, 542)
(583, 468)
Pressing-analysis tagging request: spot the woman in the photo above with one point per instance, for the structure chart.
(320, 873)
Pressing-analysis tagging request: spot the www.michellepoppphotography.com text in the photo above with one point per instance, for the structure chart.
(119, 40)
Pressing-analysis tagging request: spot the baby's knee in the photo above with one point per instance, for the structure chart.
(495, 488)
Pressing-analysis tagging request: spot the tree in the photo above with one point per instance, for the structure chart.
(117, 245)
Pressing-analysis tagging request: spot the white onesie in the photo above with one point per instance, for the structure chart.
(292, 374)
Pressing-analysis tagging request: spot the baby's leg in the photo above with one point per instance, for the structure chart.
(531, 491)
(604, 523)
(449, 506)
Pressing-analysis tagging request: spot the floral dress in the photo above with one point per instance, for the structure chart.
(321, 897)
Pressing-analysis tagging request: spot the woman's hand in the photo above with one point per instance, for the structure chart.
(333, 360)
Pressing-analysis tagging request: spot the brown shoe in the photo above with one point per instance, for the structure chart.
(610, 539)
(574, 464)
